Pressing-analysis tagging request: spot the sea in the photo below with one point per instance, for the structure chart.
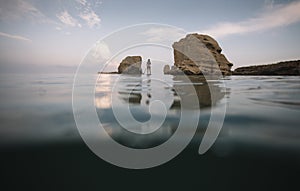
(257, 142)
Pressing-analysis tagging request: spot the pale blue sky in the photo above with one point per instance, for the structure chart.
(58, 33)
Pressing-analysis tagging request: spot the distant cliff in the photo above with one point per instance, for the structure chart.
(281, 68)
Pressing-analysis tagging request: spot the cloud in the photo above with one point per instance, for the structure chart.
(274, 16)
(67, 19)
(160, 34)
(269, 4)
(101, 51)
(16, 37)
(91, 18)
(87, 13)
(82, 2)
(24, 10)
(19, 9)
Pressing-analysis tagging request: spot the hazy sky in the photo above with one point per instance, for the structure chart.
(59, 32)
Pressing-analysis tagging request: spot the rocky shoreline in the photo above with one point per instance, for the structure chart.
(286, 68)
(198, 54)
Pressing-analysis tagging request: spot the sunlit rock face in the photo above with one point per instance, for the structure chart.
(131, 65)
(196, 54)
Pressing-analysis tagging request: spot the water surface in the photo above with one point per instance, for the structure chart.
(261, 111)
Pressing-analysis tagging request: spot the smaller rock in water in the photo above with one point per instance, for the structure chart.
(131, 65)
(173, 70)
(166, 69)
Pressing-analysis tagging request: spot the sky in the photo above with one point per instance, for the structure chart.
(38, 34)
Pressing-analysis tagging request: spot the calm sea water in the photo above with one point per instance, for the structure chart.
(261, 111)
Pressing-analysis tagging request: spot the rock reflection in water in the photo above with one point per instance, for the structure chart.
(133, 92)
(139, 92)
(203, 88)
(131, 89)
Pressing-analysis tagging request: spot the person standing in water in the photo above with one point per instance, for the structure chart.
(148, 67)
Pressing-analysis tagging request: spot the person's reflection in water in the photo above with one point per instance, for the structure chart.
(148, 91)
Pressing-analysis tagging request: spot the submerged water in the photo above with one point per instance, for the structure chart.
(261, 111)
